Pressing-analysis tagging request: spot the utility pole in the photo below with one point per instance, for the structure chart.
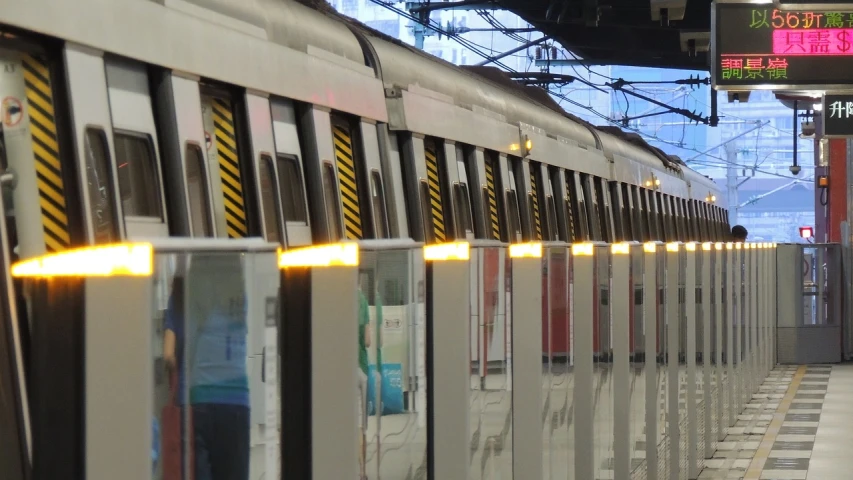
(731, 181)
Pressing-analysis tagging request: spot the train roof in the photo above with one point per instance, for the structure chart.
(303, 24)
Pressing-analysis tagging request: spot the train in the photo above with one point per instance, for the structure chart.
(137, 119)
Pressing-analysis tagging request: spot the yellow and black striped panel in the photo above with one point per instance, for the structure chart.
(347, 183)
(493, 200)
(46, 154)
(570, 211)
(537, 221)
(435, 194)
(229, 168)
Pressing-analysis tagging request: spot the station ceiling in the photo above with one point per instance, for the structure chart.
(622, 32)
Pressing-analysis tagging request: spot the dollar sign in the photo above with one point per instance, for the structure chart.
(842, 37)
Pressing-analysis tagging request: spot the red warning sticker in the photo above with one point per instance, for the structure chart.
(13, 112)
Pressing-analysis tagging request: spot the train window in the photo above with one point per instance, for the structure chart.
(291, 190)
(464, 222)
(514, 216)
(101, 194)
(330, 192)
(198, 193)
(137, 175)
(266, 172)
(379, 214)
(628, 212)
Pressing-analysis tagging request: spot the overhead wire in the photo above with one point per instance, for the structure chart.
(476, 48)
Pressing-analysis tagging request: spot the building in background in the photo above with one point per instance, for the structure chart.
(748, 154)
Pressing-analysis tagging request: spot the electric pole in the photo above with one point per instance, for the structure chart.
(731, 181)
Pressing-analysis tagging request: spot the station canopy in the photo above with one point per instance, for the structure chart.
(624, 32)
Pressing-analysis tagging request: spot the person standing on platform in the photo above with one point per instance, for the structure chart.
(206, 329)
(739, 234)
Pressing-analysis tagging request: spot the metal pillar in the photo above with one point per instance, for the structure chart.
(583, 263)
(621, 294)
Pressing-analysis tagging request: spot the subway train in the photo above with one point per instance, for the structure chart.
(132, 119)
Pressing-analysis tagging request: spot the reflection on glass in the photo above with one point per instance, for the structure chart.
(391, 366)
(637, 360)
(558, 458)
(603, 368)
(491, 364)
(216, 388)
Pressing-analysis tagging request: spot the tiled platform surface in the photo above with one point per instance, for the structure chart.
(796, 427)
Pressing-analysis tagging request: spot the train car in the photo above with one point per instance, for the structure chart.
(128, 120)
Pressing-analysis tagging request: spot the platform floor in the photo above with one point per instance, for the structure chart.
(796, 427)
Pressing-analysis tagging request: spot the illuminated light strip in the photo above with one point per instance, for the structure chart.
(45, 147)
(535, 199)
(526, 250)
(130, 260)
(493, 200)
(707, 246)
(729, 246)
(334, 255)
(718, 246)
(229, 167)
(620, 248)
(690, 247)
(347, 183)
(435, 193)
(650, 247)
(583, 249)
(673, 247)
(447, 251)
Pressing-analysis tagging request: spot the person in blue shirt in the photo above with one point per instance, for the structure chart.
(205, 341)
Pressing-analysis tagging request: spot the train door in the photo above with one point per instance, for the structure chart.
(231, 159)
(641, 233)
(289, 174)
(629, 213)
(422, 169)
(438, 219)
(94, 141)
(593, 213)
(511, 199)
(657, 214)
(602, 193)
(678, 223)
(185, 145)
(40, 210)
(462, 198)
(621, 212)
(538, 221)
(563, 219)
(576, 197)
(137, 158)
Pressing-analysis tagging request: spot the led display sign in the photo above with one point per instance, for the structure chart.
(758, 45)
